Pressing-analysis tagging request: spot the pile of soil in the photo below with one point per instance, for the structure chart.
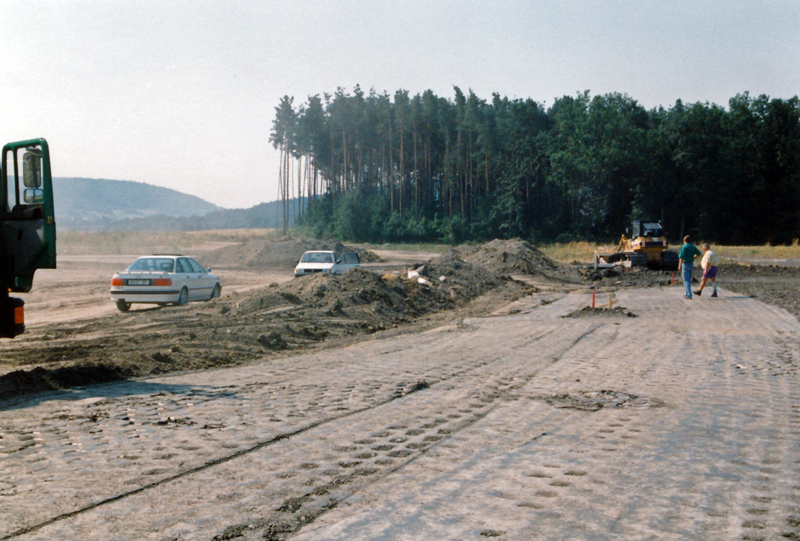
(303, 313)
(515, 256)
(325, 311)
(620, 277)
(283, 253)
(617, 311)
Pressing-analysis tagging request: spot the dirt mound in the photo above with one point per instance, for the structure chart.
(377, 301)
(621, 277)
(241, 327)
(597, 400)
(617, 311)
(514, 256)
(40, 379)
(282, 253)
(320, 311)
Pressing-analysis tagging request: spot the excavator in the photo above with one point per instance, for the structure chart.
(646, 246)
(27, 226)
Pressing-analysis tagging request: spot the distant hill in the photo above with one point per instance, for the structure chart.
(87, 204)
(264, 215)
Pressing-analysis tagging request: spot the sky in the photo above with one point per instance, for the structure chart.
(182, 94)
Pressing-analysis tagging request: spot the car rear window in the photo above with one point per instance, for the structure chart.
(152, 264)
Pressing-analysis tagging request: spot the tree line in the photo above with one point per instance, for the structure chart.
(381, 168)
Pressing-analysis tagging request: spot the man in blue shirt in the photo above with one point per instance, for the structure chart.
(686, 263)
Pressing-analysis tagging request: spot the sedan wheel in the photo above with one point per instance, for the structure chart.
(123, 306)
(215, 292)
(183, 298)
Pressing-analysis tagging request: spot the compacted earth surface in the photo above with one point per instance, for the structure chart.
(470, 394)
(76, 337)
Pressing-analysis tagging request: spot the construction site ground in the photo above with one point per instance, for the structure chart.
(488, 400)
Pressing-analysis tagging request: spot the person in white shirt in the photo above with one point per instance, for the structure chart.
(709, 263)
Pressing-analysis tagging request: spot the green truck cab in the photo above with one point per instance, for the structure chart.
(27, 226)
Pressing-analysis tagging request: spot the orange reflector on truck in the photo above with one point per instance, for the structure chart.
(162, 282)
(19, 315)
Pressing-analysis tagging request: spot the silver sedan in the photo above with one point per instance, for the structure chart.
(162, 280)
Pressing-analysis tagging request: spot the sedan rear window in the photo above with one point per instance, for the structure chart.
(152, 264)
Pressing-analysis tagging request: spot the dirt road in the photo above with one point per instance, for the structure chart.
(680, 423)
(79, 288)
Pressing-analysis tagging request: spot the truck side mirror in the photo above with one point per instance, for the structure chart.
(32, 168)
(33, 196)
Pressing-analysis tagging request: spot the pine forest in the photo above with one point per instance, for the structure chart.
(386, 168)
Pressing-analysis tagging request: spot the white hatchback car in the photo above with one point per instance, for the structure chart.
(162, 280)
(326, 261)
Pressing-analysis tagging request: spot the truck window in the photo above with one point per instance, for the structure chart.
(18, 197)
(11, 185)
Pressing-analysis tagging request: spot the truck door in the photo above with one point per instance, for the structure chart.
(27, 219)
(27, 226)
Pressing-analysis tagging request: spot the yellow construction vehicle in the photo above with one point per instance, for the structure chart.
(646, 247)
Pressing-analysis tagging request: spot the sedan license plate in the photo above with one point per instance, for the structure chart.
(138, 282)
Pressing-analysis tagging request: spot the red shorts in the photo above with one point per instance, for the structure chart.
(710, 272)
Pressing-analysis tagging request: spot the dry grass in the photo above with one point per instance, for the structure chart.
(766, 251)
(143, 242)
(583, 252)
(198, 242)
(410, 247)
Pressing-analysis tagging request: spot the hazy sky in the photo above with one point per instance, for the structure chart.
(182, 94)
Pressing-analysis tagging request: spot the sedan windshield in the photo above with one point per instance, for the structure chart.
(152, 264)
(317, 257)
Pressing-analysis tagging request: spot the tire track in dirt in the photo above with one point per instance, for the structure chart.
(708, 450)
(416, 448)
(189, 472)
